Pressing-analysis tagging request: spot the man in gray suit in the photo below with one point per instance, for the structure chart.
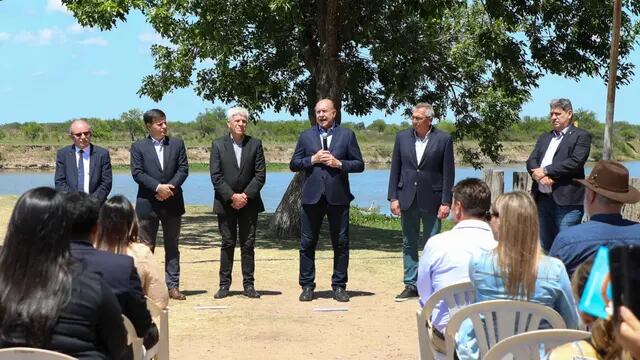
(159, 166)
(238, 173)
(420, 187)
(92, 174)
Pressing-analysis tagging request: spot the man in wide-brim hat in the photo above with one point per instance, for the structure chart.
(607, 189)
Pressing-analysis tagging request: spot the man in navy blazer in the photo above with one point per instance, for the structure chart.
(420, 188)
(327, 153)
(92, 175)
(159, 166)
(558, 158)
(118, 271)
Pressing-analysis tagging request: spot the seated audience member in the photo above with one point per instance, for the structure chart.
(48, 300)
(602, 344)
(628, 334)
(445, 259)
(117, 270)
(117, 233)
(517, 269)
(607, 189)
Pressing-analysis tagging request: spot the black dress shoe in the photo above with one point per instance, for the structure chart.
(340, 294)
(222, 293)
(409, 292)
(307, 294)
(251, 292)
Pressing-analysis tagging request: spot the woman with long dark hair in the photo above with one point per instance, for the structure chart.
(118, 233)
(47, 300)
(517, 269)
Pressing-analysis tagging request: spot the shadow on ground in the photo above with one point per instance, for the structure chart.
(200, 231)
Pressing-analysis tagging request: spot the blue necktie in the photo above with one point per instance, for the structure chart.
(80, 171)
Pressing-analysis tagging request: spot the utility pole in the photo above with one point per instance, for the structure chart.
(613, 76)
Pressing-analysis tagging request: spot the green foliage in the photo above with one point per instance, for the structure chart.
(101, 129)
(2, 134)
(479, 58)
(33, 131)
(133, 123)
(211, 123)
(377, 125)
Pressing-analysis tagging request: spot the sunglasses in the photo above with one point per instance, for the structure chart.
(79, 135)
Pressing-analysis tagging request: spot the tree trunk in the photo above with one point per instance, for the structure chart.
(286, 220)
(321, 59)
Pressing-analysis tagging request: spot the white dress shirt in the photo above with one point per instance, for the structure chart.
(85, 164)
(329, 133)
(159, 146)
(421, 144)
(237, 149)
(445, 261)
(548, 156)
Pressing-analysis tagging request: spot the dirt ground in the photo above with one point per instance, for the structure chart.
(278, 326)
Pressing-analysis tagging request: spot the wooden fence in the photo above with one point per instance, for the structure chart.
(522, 181)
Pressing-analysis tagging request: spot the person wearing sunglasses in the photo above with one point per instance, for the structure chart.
(83, 166)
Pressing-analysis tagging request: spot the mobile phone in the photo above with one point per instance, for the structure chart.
(624, 265)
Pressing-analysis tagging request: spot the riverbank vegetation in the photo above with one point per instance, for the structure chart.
(376, 138)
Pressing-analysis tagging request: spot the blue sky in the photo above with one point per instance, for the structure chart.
(52, 69)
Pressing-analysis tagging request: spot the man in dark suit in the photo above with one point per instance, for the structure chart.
(238, 173)
(327, 153)
(118, 271)
(92, 175)
(420, 188)
(558, 158)
(159, 166)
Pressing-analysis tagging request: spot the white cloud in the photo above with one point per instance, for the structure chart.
(95, 41)
(99, 73)
(154, 38)
(41, 37)
(4, 36)
(79, 29)
(37, 73)
(57, 6)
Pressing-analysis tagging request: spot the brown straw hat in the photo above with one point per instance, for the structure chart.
(611, 179)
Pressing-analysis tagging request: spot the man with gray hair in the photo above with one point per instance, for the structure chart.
(83, 166)
(420, 188)
(558, 158)
(238, 173)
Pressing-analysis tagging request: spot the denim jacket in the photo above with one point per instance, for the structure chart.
(553, 289)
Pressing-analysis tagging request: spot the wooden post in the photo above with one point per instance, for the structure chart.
(632, 211)
(522, 181)
(495, 180)
(613, 79)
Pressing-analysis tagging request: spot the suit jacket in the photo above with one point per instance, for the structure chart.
(120, 274)
(321, 179)
(100, 177)
(227, 178)
(429, 180)
(568, 164)
(146, 171)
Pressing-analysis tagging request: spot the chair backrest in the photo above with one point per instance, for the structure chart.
(527, 346)
(498, 319)
(26, 353)
(133, 340)
(455, 296)
(161, 318)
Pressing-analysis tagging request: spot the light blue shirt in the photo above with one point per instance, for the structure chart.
(553, 289)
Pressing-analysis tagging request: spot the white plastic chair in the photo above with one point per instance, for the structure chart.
(26, 353)
(161, 318)
(133, 339)
(456, 296)
(496, 320)
(527, 346)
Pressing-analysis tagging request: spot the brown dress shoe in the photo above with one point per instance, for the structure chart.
(175, 294)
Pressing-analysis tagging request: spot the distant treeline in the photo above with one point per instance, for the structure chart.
(212, 123)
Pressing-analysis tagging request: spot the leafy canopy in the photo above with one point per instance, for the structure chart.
(480, 59)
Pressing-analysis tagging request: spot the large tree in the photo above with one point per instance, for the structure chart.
(478, 59)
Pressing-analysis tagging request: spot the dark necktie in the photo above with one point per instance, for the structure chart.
(81, 171)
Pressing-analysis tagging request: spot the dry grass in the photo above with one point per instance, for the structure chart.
(278, 326)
